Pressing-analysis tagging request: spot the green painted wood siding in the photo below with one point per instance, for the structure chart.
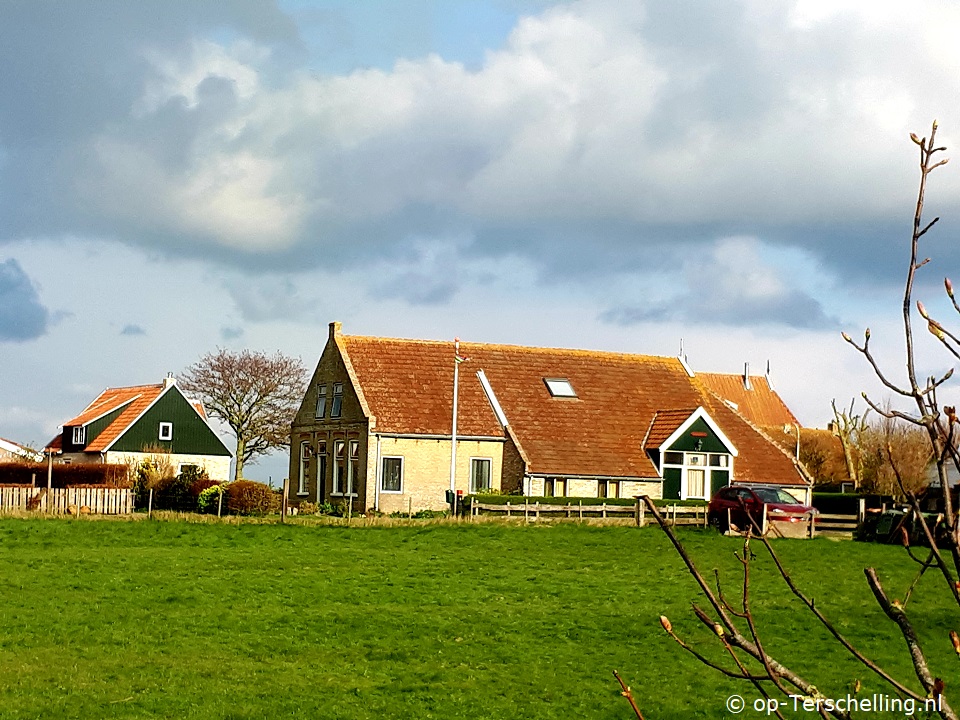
(191, 435)
(718, 479)
(708, 444)
(671, 483)
(93, 429)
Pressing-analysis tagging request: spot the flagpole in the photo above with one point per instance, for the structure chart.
(453, 433)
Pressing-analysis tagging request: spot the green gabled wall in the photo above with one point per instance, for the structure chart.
(191, 435)
(709, 444)
(93, 429)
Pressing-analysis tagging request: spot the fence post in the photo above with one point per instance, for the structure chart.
(526, 503)
(536, 510)
(603, 511)
(636, 512)
(581, 509)
(283, 500)
(220, 502)
(763, 525)
(508, 508)
(150, 505)
(862, 510)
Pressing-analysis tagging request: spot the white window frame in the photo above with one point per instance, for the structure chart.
(473, 485)
(181, 466)
(383, 474)
(79, 434)
(339, 467)
(353, 465)
(336, 406)
(321, 409)
(168, 435)
(559, 387)
(302, 474)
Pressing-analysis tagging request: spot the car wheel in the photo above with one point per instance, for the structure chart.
(717, 522)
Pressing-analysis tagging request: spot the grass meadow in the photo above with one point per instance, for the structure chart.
(175, 619)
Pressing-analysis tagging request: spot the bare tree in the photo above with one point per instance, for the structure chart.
(255, 394)
(848, 428)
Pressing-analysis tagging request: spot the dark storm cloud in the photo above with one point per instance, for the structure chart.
(22, 316)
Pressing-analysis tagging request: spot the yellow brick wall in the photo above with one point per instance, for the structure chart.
(587, 488)
(426, 470)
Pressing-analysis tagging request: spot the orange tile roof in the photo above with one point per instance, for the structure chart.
(664, 424)
(408, 385)
(134, 400)
(761, 405)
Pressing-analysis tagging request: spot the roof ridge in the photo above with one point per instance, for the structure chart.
(523, 348)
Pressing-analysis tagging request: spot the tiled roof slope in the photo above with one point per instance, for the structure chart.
(408, 386)
(136, 399)
(761, 405)
(664, 424)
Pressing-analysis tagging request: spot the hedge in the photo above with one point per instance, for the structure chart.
(99, 474)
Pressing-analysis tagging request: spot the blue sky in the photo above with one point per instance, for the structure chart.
(177, 176)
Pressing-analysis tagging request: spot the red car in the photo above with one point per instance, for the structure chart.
(734, 503)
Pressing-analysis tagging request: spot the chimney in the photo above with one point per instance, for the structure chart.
(746, 376)
(169, 380)
(335, 329)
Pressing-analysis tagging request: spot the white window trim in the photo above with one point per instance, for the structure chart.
(560, 387)
(321, 395)
(168, 426)
(473, 488)
(348, 469)
(79, 434)
(302, 474)
(383, 490)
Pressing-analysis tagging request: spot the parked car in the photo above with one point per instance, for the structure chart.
(736, 504)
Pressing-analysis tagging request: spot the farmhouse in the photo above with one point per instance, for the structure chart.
(130, 424)
(11, 451)
(376, 426)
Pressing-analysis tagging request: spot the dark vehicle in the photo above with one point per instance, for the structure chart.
(737, 504)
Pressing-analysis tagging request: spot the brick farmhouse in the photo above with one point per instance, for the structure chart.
(376, 425)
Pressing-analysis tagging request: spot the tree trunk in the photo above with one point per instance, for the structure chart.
(238, 465)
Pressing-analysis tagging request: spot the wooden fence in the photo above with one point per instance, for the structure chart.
(96, 500)
(533, 511)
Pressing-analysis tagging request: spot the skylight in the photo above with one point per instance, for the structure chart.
(560, 387)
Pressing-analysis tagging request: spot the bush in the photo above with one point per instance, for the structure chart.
(208, 500)
(306, 508)
(245, 497)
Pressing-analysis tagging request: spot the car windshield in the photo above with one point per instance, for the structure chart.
(775, 495)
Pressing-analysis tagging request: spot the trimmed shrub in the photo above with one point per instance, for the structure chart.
(245, 497)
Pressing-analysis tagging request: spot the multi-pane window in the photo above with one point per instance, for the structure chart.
(79, 435)
(391, 475)
(352, 466)
(321, 468)
(337, 407)
(339, 468)
(479, 474)
(321, 401)
(555, 487)
(304, 461)
(608, 488)
(166, 431)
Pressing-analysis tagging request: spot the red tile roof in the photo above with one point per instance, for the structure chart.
(761, 405)
(133, 401)
(408, 384)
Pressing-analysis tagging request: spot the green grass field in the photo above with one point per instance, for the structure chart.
(161, 619)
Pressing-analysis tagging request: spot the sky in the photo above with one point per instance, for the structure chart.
(733, 178)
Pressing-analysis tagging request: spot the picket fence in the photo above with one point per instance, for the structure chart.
(73, 500)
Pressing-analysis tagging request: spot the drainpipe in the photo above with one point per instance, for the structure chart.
(376, 473)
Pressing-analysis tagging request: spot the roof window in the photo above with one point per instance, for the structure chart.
(560, 387)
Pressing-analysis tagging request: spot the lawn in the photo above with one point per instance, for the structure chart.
(162, 619)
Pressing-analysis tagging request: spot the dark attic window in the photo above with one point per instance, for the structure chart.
(560, 387)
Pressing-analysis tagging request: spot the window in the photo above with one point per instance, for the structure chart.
(304, 462)
(480, 474)
(188, 468)
(166, 431)
(337, 406)
(79, 435)
(391, 476)
(673, 458)
(321, 401)
(352, 466)
(554, 487)
(339, 468)
(719, 460)
(608, 488)
(321, 469)
(560, 387)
